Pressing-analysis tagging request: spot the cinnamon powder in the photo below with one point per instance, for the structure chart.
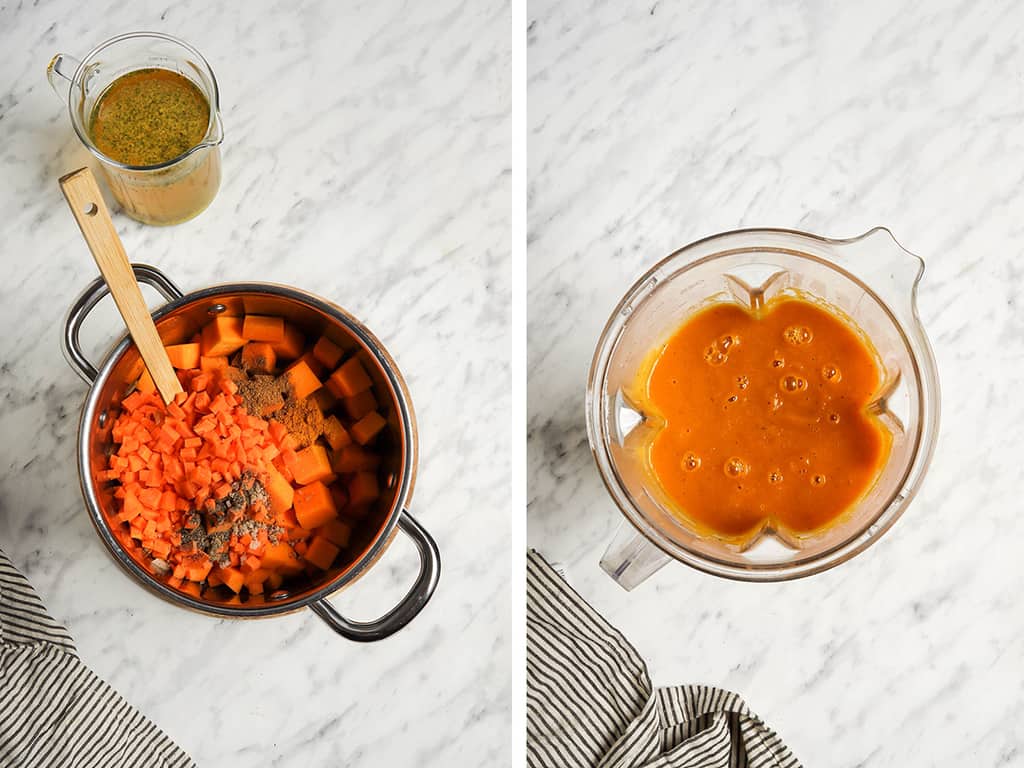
(273, 397)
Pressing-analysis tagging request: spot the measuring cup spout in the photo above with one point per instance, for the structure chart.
(216, 134)
(60, 72)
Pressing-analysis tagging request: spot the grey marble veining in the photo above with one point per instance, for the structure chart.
(653, 124)
(366, 159)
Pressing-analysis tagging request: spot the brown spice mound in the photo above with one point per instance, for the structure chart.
(303, 420)
(261, 395)
(273, 397)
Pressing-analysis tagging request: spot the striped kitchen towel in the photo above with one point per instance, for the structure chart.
(54, 712)
(590, 703)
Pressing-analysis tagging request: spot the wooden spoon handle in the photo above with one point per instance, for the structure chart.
(86, 202)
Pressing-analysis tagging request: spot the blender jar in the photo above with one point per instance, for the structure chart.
(873, 281)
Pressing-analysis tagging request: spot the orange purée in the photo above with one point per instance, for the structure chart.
(764, 418)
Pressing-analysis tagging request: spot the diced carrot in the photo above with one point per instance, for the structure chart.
(354, 458)
(351, 378)
(336, 531)
(183, 356)
(311, 464)
(321, 553)
(279, 491)
(263, 328)
(359, 405)
(314, 505)
(160, 547)
(259, 357)
(327, 352)
(250, 563)
(167, 499)
(337, 436)
(368, 427)
(150, 497)
(222, 336)
(363, 488)
(301, 379)
(291, 346)
(210, 364)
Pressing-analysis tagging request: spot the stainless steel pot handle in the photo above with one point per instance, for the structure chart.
(88, 299)
(412, 603)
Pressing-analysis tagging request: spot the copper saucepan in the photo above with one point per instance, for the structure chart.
(177, 321)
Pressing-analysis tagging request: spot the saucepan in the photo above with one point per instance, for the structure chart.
(178, 320)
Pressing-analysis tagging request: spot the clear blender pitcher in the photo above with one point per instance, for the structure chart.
(873, 281)
(167, 193)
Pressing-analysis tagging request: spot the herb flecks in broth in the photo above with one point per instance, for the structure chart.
(148, 117)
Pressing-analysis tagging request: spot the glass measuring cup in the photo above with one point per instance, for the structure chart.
(871, 279)
(167, 193)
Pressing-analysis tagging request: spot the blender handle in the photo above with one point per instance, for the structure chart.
(631, 557)
(89, 298)
(61, 74)
(410, 606)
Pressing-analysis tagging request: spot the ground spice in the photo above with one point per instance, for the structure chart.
(303, 420)
(261, 395)
(273, 397)
(227, 518)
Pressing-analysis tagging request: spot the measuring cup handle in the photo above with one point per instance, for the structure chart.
(61, 73)
(410, 606)
(88, 299)
(630, 558)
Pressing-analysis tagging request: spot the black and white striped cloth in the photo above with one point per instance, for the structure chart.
(54, 712)
(590, 702)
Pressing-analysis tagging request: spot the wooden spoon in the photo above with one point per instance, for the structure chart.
(86, 202)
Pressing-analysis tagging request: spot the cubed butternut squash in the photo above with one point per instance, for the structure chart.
(321, 553)
(363, 489)
(280, 492)
(351, 378)
(290, 347)
(335, 434)
(259, 357)
(368, 427)
(183, 356)
(359, 405)
(301, 379)
(222, 336)
(314, 505)
(327, 352)
(336, 531)
(263, 328)
(310, 464)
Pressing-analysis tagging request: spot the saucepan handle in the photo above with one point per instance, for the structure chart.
(411, 604)
(88, 299)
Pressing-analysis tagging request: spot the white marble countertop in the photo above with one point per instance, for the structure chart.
(367, 160)
(651, 125)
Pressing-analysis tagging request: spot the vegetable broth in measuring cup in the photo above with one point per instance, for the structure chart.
(149, 117)
(155, 121)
